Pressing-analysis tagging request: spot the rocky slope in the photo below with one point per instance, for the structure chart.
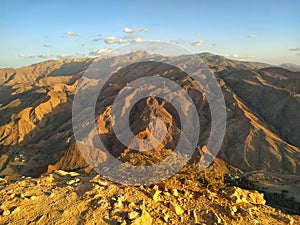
(189, 197)
(36, 102)
(37, 140)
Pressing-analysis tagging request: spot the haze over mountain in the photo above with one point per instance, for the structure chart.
(291, 67)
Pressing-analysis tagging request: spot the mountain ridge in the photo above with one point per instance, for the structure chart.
(34, 97)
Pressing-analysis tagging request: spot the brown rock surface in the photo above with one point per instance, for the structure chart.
(262, 138)
(35, 111)
(238, 195)
(49, 200)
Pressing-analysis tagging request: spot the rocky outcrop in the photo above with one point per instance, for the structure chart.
(237, 195)
(74, 198)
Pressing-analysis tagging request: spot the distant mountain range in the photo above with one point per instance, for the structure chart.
(291, 67)
(263, 120)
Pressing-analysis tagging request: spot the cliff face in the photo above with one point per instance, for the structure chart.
(36, 115)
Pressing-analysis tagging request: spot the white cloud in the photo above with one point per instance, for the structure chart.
(243, 58)
(131, 35)
(128, 30)
(122, 41)
(53, 56)
(295, 49)
(198, 43)
(70, 33)
(21, 55)
(101, 51)
(251, 36)
(110, 40)
(65, 56)
(46, 56)
(137, 40)
(104, 50)
(114, 40)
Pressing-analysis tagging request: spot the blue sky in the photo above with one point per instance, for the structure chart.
(33, 31)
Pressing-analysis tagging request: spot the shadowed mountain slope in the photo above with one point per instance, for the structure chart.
(36, 115)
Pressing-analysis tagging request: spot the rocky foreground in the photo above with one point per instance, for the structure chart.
(187, 198)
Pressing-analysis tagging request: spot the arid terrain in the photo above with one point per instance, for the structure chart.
(261, 147)
(70, 198)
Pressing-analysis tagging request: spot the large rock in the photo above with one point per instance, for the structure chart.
(238, 195)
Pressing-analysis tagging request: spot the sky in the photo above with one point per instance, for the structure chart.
(34, 31)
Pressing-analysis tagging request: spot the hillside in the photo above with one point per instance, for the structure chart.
(36, 102)
(260, 149)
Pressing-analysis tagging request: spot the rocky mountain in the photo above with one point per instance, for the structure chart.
(260, 149)
(36, 115)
